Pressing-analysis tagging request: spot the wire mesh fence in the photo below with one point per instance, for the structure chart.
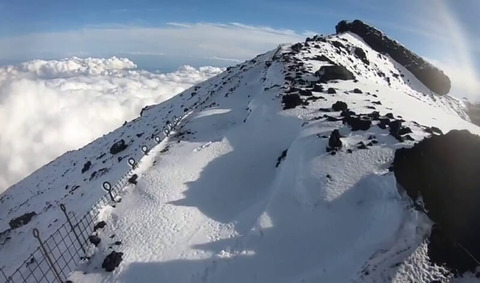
(61, 252)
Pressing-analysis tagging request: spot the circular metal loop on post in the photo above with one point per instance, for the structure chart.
(36, 233)
(157, 139)
(145, 149)
(106, 186)
(166, 132)
(131, 162)
(62, 207)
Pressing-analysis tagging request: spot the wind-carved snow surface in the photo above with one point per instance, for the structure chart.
(50, 107)
(214, 207)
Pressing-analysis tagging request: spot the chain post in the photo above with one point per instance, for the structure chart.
(64, 209)
(36, 234)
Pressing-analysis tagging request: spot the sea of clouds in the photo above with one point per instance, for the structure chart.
(50, 107)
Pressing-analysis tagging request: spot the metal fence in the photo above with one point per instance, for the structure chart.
(61, 252)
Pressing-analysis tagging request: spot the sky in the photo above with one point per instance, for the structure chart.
(165, 34)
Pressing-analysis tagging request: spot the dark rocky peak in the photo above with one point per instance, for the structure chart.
(443, 171)
(429, 75)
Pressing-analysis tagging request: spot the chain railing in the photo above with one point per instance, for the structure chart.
(61, 252)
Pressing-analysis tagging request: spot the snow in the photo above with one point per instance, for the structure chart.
(211, 206)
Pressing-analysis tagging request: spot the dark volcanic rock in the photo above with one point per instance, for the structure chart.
(331, 90)
(99, 225)
(119, 146)
(317, 87)
(336, 72)
(433, 130)
(305, 92)
(357, 90)
(338, 44)
(361, 54)
(291, 101)
(334, 141)
(21, 220)
(112, 261)
(323, 58)
(133, 179)
(358, 122)
(339, 106)
(395, 127)
(281, 157)
(361, 145)
(443, 170)
(429, 75)
(94, 239)
(86, 166)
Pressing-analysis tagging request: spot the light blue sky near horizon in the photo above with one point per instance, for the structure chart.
(162, 35)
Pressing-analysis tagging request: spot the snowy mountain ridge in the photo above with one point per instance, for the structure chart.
(252, 187)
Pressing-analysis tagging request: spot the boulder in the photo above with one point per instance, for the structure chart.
(317, 87)
(99, 225)
(119, 146)
(334, 72)
(358, 122)
(339, 106)
(291, 101)
(361, 55)
(334, 141)
(305, 92)
(112, 261)
(86, 166)
(429, 75)
(94, 239)
(21, 220)
(331, 90)
(443, 171)
(133, 179)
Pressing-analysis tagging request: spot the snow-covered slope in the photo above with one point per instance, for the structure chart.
(245, 191)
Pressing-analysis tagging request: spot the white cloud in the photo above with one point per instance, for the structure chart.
(50, 107)
(465, 80)
(197, 40)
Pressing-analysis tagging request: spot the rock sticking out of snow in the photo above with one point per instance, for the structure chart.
(21, 220)
(443, 170)
(428, 74)
(336, 72)
(118, 147)
(112, 261)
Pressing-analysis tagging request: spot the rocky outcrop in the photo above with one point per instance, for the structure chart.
(334, 141)
(335, 72)
(430, 76)
(291, 101)
(339, 106)
(119, 146)
(443, 170)
(112, 261)
(21, 220)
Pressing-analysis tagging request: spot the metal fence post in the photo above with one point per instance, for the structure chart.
(64, 209)
(36, 234)
(107, 187)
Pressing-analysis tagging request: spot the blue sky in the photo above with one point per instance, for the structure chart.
(165, 34)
